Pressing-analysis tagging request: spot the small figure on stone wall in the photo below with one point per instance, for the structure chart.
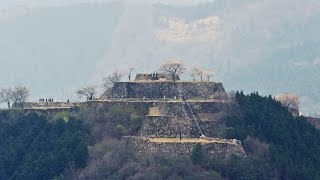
(68, 100)
(164, 97)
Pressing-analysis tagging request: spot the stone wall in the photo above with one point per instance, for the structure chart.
(314, 121)
(167, 89)
(37, 105)
(141, 108)
(219, 150)
(209, 114)
(209, 107)
(213, 128)
(210, 117)
(166, 126)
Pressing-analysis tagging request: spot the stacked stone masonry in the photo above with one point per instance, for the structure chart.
(169, 90)
(172, 110)
(220, 150)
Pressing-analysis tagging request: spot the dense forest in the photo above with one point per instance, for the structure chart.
(293, 143)
(86, 144)
(34, 148)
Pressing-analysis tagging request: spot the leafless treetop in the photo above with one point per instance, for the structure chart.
(111, 79)
(289, 100)
(89, 92)
(172, 67)
(20, 94)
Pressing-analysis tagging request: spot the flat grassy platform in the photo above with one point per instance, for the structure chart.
(191, 140)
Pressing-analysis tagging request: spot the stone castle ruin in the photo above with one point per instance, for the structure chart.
(179, 115)
(161, 86)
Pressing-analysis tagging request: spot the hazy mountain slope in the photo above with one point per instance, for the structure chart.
(291, 65)
(259, 46)
(55, 50)
(269, 46)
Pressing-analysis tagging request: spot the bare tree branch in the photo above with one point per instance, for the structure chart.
(193, 75)
(198, 72)
(131, 68)
(111, 79)
(20, 94)
(209, 75)
(289, 100)
(89, 92)
(6, 96)
(173, 67)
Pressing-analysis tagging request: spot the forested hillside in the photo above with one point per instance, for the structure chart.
(86, 144)
(34, 148)
(293, 143)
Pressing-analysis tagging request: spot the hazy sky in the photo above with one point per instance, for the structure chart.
(57, 46)
(36, 3)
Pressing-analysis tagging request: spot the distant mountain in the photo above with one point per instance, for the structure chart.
(55, 50)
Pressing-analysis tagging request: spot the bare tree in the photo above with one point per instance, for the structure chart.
(199, 72)
(111, 79)
(193, 75)
(209, 75)
(289, 100)
(89, 92)
(6, 96)
(131, 68)
(232, 95)
(172, 67)
(20, 94)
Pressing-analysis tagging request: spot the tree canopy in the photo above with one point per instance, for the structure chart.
(34, 148)
(294, 143)
(172, 67)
